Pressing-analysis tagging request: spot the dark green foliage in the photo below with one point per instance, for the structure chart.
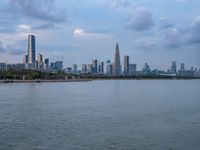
(42, 75)
(30, 75)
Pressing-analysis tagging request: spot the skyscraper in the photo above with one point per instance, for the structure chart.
(40, 58)
(40, 62)
(102, 68)
(173, 67)
(116, 65)
(89, 68)
(181, 72)
(3, 66)
(75, 68)
(95, 66)
(146, 69)
(132, 69)
(25, 59)
(109, 69)
(46, 63)
(126, 65)
(31, 50)
(59, 65)
(182, 67)
(84, 68)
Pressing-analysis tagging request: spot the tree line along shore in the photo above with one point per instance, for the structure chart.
(34, 75)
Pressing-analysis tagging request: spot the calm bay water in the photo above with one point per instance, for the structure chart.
(97, 115)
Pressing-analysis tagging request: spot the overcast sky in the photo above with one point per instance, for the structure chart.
(77, 31)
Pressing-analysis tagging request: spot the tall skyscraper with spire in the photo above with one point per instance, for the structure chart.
(31, 50)
(117, 65)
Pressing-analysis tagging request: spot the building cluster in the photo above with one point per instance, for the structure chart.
(96, 67)
(30, 62)
(192, 72)
(115, 69)
(105, 68)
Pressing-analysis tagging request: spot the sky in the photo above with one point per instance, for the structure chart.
(78, 31)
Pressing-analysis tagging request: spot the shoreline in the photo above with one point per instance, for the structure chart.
(44, 81)
(87, 80)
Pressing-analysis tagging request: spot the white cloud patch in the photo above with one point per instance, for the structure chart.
(24, 27)
(81, 33)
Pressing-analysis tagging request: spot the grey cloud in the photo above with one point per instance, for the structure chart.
(6, 25)
(166, 23)
(187, 36)
(118, 3)
(166, 39)
(58, 57)
(35, 11)
(170, 37)
(38, 9)
(16, 51)
(2, 48)
(11, 49)
(195, 31)
(141, 19)
(44, 26)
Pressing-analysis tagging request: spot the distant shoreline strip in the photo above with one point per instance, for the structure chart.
(43, 81)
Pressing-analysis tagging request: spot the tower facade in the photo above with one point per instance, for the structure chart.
(95, 66)
(40, 62)
(182, 67)
(173, 67)
(126, 65)
(117, 65)
(31, 50)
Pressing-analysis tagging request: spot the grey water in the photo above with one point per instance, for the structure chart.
(101, 115)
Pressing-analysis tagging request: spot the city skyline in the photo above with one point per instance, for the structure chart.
(97, 67)
(72, 34)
